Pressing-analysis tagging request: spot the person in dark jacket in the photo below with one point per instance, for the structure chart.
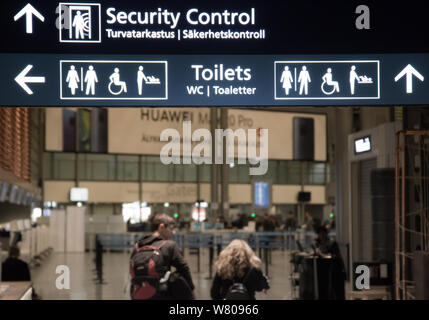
(238, 263)
(13, 268)
(268, 224)
(326, 246)
(162, 226)
(290, 223)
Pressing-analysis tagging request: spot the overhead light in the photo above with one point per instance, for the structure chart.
(36, 213)
(166, 204)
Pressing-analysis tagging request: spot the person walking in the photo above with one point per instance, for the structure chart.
(238, 272)
(150, 264)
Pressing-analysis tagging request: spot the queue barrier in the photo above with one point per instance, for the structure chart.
(256, 240)
(264, 242)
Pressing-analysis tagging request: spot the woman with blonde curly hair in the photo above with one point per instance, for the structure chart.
(237, 263)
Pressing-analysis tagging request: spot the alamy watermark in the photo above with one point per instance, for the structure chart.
(248, 143)
(62, 282)
(362, 281)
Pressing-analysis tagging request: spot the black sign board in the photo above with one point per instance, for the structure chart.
(213, 27)
(213, 80)
(213, 53)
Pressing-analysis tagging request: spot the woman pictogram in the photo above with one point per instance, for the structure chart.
(72, 79)
(286, 79)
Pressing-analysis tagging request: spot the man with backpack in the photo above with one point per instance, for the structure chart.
(151, 261)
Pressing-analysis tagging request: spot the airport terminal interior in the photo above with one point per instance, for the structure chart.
(79, 187)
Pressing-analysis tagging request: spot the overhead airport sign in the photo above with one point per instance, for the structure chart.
(213, 80)
(212, 26)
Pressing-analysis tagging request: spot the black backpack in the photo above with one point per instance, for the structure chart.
(238, 291)
(146, 269)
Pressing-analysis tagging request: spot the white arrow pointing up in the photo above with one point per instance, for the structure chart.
(29, 11)
(22, 80)
(409, 71)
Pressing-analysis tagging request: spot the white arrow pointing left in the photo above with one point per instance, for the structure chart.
(22, 80)
(29, 11)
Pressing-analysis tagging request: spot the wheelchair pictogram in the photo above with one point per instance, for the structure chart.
(328, 82)
(116, 87)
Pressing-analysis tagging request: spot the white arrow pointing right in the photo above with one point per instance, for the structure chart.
(22, 80)
(409, 71)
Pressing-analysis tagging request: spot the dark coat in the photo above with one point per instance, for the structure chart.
(255, 281)
(14, 269)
